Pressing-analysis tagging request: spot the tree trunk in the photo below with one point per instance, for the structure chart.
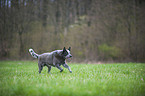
(21, 50)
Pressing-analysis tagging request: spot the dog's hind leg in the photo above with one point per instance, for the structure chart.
(49, 68)
(40, 67)
(66, 66)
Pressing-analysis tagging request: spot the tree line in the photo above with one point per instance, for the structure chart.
(97, 30)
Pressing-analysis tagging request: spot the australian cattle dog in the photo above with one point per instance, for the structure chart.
(55, 58)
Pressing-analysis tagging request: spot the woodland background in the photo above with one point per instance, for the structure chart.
(97, 30)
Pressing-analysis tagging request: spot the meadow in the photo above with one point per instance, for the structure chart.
(21, 78)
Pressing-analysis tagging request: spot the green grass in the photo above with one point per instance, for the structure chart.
(21, 78)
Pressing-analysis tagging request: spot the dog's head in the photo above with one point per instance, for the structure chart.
(66, 53)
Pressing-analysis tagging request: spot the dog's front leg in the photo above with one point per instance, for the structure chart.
(66, 66)
(59, 67)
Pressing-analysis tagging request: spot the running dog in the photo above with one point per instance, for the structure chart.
(55, 58)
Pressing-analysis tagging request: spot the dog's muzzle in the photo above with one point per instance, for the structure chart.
(69, 58)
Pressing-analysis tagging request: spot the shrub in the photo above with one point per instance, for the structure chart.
(108, 52)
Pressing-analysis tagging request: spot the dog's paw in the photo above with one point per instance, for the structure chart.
(61, 70)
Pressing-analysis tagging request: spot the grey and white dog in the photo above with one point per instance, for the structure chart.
(55, 58)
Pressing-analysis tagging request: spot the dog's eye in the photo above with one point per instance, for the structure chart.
(65, 53)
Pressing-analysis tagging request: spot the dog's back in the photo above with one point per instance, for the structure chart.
(46, 58)
(49, 58)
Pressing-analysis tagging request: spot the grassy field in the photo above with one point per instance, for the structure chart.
(21, 78)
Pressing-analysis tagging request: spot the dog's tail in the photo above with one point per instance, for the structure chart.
(33, 53)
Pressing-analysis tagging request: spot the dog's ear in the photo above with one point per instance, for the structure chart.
(69, 48)
(63, 50)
